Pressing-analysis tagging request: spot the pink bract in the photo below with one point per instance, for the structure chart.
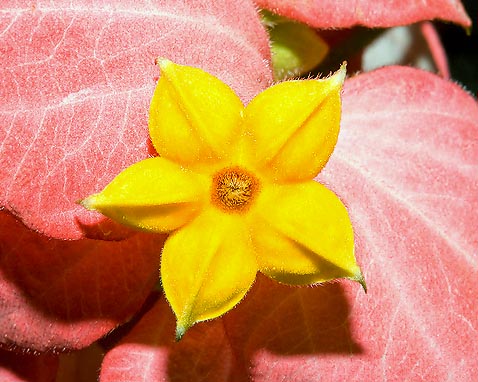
(77, 82)
(375, 13)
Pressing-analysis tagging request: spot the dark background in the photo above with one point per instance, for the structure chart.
(462, 49)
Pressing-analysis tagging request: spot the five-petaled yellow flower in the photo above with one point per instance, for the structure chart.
(234, 186)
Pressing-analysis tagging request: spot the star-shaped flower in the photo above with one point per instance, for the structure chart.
(234, 186)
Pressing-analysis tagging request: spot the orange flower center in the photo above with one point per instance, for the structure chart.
(233, 189)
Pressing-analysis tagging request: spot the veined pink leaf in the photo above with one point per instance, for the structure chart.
(57, 294)
(370, 13)
(77, 79)
(406, 165)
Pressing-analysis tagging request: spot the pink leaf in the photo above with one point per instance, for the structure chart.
(58, 294)
(76, 85)
(406, 165)
(370, 13)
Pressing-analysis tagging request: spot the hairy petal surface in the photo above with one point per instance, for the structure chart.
(293, 127)
(155, 195)
(302, 234)
(193, 115)
(57, 294)
(77, 80)
(207, 267)
(379, 13)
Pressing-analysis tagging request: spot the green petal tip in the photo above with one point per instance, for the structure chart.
(88, 203)
(180, 331)
(162, 62)
(361, 280)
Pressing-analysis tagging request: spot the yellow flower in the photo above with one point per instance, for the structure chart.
(234, 186)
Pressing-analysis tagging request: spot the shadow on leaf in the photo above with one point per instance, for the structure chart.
(27, 367)
(106, 229)
(273, 318)
(293, 320)
(58, 293)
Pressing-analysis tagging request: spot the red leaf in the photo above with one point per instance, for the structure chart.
(27, 368)
(58, 294)
(77, 81)
(370, 13)
(81, 365)
(406, 166)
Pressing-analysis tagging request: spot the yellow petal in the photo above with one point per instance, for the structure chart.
(302, 234)
(207, 267)
(293, 127)
(193, 115)
(154, 194)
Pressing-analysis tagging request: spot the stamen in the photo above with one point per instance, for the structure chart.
(233, 189)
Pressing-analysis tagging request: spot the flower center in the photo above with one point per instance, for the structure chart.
(233, 189)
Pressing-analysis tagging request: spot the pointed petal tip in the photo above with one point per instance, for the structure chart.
(180, 331)
(163, 63)
(361, 280)
(88, 203)
(182, 326)
(338, 77)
